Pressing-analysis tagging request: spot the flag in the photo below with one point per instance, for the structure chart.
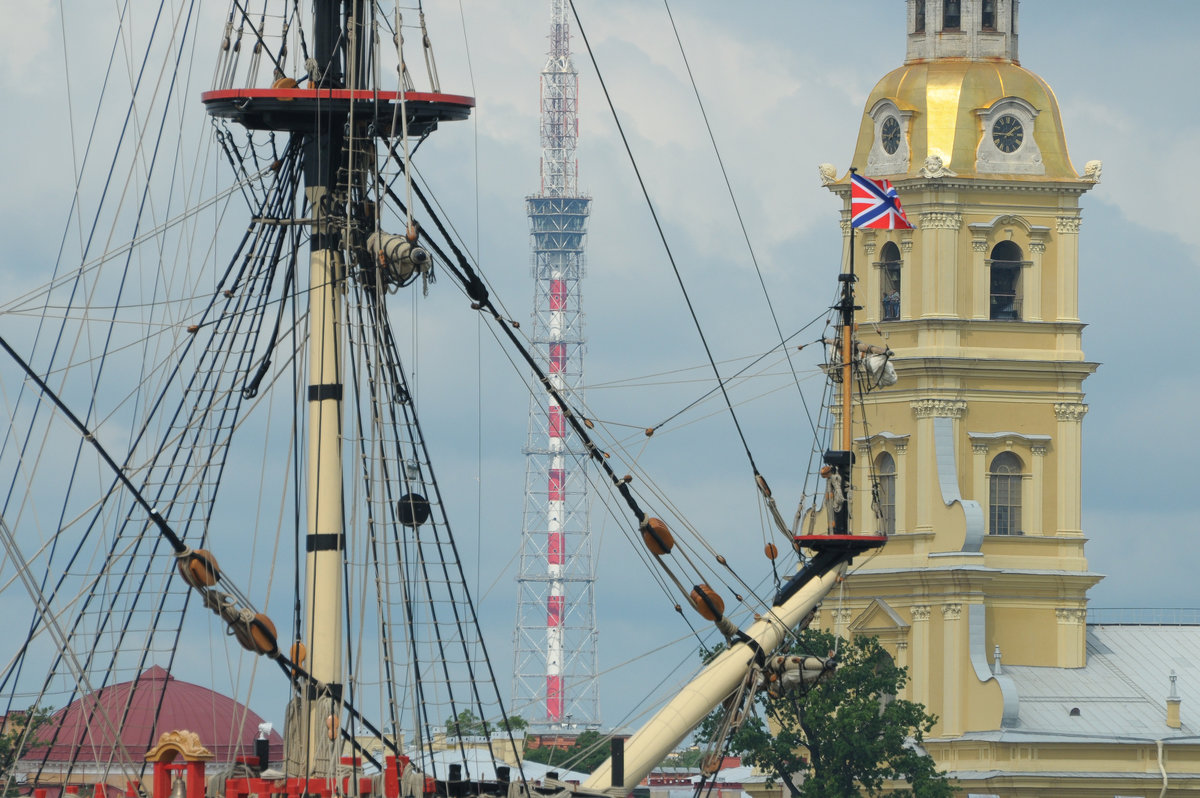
(874, 204)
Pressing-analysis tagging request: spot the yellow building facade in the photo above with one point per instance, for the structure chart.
(982, 588)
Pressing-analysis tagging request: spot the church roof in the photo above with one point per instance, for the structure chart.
(142, 709)
(1119, 696)
(944, 97)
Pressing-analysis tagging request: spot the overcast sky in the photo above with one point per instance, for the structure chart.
(784, 85)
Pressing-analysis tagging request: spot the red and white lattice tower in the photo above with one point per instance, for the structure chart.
(554, 681)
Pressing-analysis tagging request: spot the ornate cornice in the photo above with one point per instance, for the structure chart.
(979, 448)
(982, 184)
(1007, 438)
(920, 612)
(939, 408)
(979, 245)
(906, 244)
(951, 612)
(1039, 449)
(941, 220)
(1037, 247)
(1068, 224)
(1070, 411)
(1071, 616)
(901, 446)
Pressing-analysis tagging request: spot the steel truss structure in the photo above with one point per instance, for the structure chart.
(555, 673)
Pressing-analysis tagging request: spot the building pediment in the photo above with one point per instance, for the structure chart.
(878, 620)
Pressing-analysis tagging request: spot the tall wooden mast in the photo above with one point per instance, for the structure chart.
(340, 117)
(325, 539)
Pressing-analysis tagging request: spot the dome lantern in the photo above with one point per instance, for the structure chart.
(976, 30)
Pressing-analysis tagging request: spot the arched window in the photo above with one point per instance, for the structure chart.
(951, 14)
(989, 15)
(1004, 495)
(1005, 266)
(889, 281)
(885, 481)
(919, 23)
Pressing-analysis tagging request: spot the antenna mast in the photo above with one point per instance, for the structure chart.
(554, 679)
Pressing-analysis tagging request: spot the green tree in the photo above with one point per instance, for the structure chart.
(514, 724)
(468, 724)
(846, 735)
(465, 724)
(17, 733)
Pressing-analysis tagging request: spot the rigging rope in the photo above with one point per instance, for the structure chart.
(663, 237)
(738, 212)
(478, 293)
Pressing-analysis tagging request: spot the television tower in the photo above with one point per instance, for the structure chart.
(554, 680)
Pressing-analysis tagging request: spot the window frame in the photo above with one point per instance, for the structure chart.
(890, 281)
(1006, 472)
(946, 6)
(983, 15)
(885, 494)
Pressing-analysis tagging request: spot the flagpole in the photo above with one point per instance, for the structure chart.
(881, 210)
(847, 336)
(841, 461)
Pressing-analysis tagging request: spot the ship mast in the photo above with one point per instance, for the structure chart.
(841, 461)
(325, 538)
(339, 117)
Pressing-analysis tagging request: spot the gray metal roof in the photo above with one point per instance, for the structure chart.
(1120, 695)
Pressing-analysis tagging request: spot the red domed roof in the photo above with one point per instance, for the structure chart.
(153, 703)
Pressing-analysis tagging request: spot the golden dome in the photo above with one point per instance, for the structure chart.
(946, 102)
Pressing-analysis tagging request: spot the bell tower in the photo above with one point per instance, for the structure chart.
(976, 451)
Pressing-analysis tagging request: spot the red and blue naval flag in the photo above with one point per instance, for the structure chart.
(874, 204)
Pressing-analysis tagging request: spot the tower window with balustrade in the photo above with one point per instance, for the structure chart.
(889, 282)
(1005, 282)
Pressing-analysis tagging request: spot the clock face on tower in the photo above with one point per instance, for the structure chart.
(889, 135)
(1007, 133)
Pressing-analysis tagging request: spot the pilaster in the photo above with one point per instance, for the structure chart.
(1033, 286)
(1072, 643)
(862, 508)
(929, 489)
(1069, 451)
(908, 273)
(926, 465)
(940, 243)
(869, 276)
(1033, 520)
(1068, 268)
(901, 485)
(979, 474)
(952, 674)
(980, 284)
(920, 654)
